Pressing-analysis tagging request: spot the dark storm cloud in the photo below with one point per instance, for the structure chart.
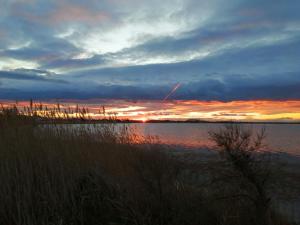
(238, 87)
(206, 90)
(34, 75)
(75, 63)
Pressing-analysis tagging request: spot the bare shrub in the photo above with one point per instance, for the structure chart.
(246, 172)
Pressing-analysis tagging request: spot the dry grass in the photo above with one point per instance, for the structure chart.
(54, 174)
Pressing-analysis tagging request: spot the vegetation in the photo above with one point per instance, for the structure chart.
(56, 174)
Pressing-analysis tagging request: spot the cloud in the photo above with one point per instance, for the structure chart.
(43, 50)
(138, 49)
(255, 62)
(234, 87)
(73, 63)
(60, 12)
(237, 87)
(76, 13)
(30, 74)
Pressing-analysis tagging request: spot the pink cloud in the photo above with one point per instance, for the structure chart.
(62, 13)
(76, 13)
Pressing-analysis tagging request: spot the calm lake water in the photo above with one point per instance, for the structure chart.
(280, 137)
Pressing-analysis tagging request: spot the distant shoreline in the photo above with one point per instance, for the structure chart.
(219, 122)
(71, 121)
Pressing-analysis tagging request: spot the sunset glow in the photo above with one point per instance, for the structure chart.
(260, 110)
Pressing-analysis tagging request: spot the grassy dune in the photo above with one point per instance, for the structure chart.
(53, 174)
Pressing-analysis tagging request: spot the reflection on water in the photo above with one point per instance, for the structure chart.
(280, 137)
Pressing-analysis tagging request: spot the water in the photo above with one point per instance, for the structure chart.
(280, 137)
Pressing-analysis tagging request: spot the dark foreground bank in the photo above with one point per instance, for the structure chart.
(58, 175)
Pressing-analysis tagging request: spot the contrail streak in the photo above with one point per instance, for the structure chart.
(172, 91)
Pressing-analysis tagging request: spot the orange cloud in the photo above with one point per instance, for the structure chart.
(259, 110)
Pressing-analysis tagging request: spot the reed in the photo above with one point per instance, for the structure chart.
(68, 174)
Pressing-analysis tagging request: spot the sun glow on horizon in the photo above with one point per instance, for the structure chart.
(144, 120)
(145, 110)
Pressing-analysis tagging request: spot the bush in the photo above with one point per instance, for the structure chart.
(247, 172)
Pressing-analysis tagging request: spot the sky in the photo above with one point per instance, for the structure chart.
(241, 50)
